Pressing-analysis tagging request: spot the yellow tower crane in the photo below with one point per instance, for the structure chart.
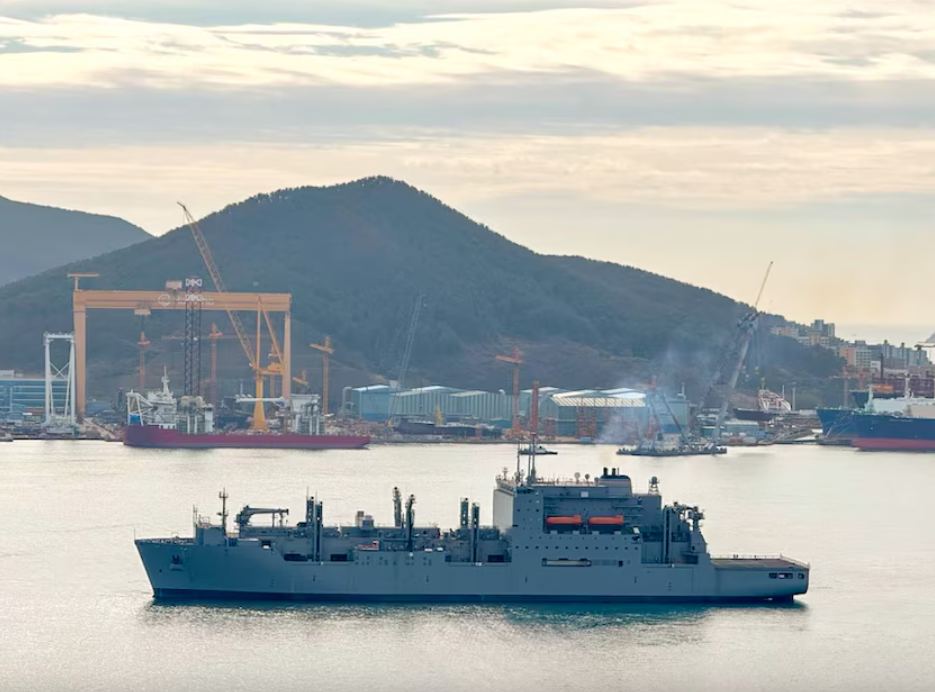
(327, 352)
(276, 368)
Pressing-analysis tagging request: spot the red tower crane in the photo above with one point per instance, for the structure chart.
(516, 359)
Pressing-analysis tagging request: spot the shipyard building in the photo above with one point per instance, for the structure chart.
(23, 397)
(610, 414)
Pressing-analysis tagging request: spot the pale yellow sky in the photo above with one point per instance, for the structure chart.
(696, 140)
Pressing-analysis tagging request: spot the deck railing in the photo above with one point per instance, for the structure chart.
(774, 556)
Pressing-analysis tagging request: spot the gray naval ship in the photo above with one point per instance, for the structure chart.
(580, 540)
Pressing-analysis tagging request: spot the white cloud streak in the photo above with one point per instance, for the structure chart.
(658, 41)
(704, 168)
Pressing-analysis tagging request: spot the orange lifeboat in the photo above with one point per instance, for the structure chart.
(574, 520)
(616, 520)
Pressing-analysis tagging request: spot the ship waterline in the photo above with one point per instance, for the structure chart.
(154, 437)
(574, 541)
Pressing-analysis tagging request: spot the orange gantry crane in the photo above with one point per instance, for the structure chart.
(516, 359)
(327, 351)
(171, 298)
(281, 366)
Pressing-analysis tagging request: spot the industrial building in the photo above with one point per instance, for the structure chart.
(610, 414)
(21, 394)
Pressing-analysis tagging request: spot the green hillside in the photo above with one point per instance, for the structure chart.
(35, 238)
(355, 256)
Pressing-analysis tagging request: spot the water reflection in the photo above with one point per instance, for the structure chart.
(676, 624)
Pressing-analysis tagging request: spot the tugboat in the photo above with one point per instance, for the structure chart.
(537, 450)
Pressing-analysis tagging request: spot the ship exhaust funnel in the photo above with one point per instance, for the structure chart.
(464, 512)
(410, 520)
(397, 509)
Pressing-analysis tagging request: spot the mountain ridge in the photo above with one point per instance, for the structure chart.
(34, 239)
(356, 255)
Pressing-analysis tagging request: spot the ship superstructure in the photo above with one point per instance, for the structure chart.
(566, 541)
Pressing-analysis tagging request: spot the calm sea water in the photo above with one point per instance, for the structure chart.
(76, 611)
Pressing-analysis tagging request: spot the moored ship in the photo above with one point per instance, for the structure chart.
(888, 423)
(913, 430)
(551, 541)
(158, 420)
(837, 425)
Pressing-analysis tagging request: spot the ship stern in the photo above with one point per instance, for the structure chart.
(778, 579)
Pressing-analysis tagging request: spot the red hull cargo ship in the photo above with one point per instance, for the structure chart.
(167, 438)
(157, 420)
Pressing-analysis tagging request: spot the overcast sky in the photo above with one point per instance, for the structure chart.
(695, 138)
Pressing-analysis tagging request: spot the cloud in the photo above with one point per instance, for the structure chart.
(653, 42)
(700, 168)
(669, 134)
(707, 205)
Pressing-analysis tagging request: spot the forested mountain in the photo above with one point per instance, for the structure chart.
(35, 238)
(356, 256)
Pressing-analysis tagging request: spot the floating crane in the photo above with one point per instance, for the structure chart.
(407, 353)
(516, 359)
(327, 352)
(744, 333)
(276, 368)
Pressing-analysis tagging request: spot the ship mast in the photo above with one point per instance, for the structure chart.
(223, 513)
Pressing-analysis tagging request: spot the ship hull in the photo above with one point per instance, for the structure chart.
(153, 437)
(181, 570)
(837, 425)
(881, 432)
(205, 595)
